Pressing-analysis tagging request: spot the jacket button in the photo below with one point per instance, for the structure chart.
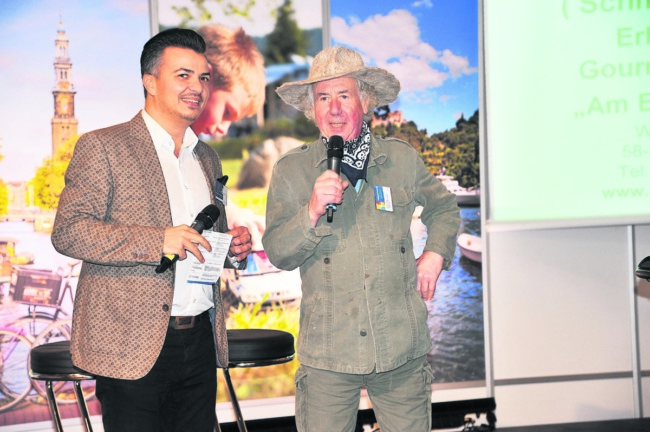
(326, 260)
(403, 249)
(363, 333)
(165, 308)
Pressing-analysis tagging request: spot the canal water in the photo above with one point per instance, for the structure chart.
(456, 312)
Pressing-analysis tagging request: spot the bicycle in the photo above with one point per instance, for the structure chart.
(15, 383)
(40, 289)
(35, 288)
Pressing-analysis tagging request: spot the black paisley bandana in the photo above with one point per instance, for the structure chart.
(355, 155)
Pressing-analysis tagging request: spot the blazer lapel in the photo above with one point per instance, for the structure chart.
(150, 167)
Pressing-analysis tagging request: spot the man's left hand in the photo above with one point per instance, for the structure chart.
(429, 267)
(241, 243)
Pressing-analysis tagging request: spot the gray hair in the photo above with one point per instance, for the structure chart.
(366, 93)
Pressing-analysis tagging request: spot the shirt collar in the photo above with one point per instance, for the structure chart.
(162, 139)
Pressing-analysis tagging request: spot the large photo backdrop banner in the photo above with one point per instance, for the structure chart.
(67, 67)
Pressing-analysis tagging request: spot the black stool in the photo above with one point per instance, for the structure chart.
(52, 362)
(253, 348)
(643, 269)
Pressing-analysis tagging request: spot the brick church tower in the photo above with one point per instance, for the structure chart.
(64, 123)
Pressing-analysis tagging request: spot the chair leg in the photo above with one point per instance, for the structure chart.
(234, 401)
(83, 408)
(217, 428)
(54, 409)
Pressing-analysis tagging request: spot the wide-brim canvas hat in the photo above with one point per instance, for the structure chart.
(336, 62)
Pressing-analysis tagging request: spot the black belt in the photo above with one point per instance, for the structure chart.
(187, 322)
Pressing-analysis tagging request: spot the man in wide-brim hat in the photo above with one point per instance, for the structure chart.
(363, 320)
(337, 62)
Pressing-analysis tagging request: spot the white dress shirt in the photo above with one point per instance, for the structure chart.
(189, 193)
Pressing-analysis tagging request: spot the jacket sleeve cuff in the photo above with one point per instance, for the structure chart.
(313, 234)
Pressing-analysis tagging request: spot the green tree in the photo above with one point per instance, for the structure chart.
(4, 190)
(49, 180)
(456, 149)
(229, 8)
(286, 38)
(460, 150)
(408, 132)
(4, 198)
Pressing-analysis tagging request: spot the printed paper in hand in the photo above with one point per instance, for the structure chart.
(210, 271)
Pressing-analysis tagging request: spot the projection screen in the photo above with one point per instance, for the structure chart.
(568, 111)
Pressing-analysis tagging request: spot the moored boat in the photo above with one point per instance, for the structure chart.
(470, 246)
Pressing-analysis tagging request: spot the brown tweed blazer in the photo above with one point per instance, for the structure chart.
(112, 215)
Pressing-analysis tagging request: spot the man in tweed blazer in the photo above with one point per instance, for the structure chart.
(131, 192)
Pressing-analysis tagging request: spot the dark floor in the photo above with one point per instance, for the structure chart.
(451, 416)
(628, 425)
(287, 424)
(446, 415)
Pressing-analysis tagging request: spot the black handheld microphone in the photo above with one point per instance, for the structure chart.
(204, 220)
(334, 156)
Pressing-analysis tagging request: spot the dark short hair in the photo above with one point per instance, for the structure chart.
(174, 37)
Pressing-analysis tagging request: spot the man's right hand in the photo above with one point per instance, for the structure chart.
(182, 238)
(328, 189)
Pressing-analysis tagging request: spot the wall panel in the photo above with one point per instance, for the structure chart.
(560, 304)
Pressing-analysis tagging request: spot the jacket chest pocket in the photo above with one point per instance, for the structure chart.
(399, 219)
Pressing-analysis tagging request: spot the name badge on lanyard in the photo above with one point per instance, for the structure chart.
(221, 191)
(383, 200)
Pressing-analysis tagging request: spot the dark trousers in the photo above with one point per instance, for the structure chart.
(178, 394)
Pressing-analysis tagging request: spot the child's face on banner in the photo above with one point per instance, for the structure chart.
(223, 108)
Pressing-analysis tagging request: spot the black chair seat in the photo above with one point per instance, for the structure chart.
(643, 269)
(252, 345)
(53, 359)
(254, 348)
(53, 362)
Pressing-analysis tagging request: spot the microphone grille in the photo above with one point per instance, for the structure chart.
(335, 147)
(336, 143)
(211, 211)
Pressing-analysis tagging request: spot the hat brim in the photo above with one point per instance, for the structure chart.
(383, 83)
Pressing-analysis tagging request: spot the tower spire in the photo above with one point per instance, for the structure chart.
(64, 122)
